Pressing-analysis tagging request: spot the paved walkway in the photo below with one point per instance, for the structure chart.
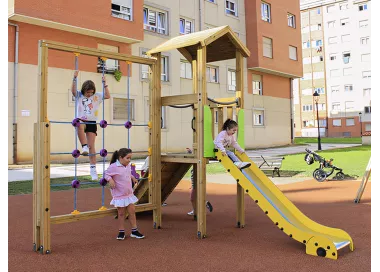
(83, 169)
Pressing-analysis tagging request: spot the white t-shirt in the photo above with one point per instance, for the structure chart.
(87, 108)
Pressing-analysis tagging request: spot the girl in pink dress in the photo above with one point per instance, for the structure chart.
(119, 177)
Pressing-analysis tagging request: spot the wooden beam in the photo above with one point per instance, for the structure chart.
(36, 194)
(95, 52)
(179, 100)
(155, 167)
(59, 219)
(240, 214)
(42, 82)
(186, 54)
(201, 165)
(178, 159)
(216, 36)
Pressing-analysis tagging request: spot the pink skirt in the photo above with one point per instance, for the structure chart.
(124, 202)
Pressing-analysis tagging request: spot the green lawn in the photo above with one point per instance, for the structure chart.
(310, 140)
(353, 161)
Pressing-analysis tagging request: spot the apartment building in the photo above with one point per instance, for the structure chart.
(135, 26)
(336, 59)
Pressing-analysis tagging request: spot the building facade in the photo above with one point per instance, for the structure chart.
(336, 58)
(271, 31)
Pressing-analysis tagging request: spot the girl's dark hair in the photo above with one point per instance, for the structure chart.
(122, 152)
(88, 85)
(229, 124)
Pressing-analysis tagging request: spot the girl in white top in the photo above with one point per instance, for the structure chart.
(226, 139)
(87, 111)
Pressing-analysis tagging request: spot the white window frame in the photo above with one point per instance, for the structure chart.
(367, 92)
(364, 7)
(367, 127)
(229, 10)
(163, 117)
(344, 22)
(186, 71)
(292, 49)
(331, 72)
(347, 71)
(266, 12)
(124, 12)
(268, 44)
(231, 80)
(165, 68)
(363, 23)
(320, 90)
(364, 40)
(307, 107)
(335, 89)
(343, 5)
(348, 87)
(335, 106)
(208, 74)
(331, 24)
(258, 121)
(185, 22)
(345, 38)
(163, 29)
(346, 57)
(333, 56)
(255, 90)
(291, 20)
(333, 40)
(351, 123)
(111, 65)
(366, 74)
(335, 122)
(331, 8)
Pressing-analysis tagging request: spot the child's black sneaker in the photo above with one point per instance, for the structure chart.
(121, 235)
(137, 234)
(209, 206)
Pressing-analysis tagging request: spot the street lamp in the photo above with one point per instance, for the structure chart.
(360, 122)
(316, 98)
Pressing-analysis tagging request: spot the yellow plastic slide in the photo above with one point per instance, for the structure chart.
(319, 240)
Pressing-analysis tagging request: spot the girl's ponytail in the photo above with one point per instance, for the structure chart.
(114, 157)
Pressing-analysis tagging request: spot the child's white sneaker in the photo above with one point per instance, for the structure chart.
(191, 213)
(85, 150)
(242, 165)
(93, 173)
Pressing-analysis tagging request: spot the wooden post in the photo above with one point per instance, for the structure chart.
(201, 166)
(194, 69)
(240, 215)
(363, 184)
(155, 134)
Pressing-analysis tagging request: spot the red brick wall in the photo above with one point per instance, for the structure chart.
(338, 131)
(272, 85)
(278, 30)
(91, 14)
(28, 47)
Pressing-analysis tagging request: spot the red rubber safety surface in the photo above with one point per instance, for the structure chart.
(91, 245)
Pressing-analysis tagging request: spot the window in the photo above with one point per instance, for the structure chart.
(349, 105)
(366, 74)
(334, 73)
(346, 38)
(364, 40)
(155, 21)
(292, 52)
(346, 57)
(331, 8)
(367, 127)
(307, 107)
(267, 47)
(366, 57)
(212, 1)
(122, 108)
(185, 26)
(322, 123)
(363, 7)
(333, 40)
(319, 43)
(212, 74)
(163, 117)
(347, 71)
(265, 12)
(348, 88)
(319, 26)
(291, 20)
(335, 106)
(231, 7)
(344, 22)
(363, 24)
(334, 89)
(186, 71)
(110, 64)
(258, 117)
(350, 122)
(367, 92)
(318, 11)
(307, 123)
(306, 44)
(231, 77)
(331, 24)
(343, 5)
(164, 68)
(307, 92)
(337, 122)
(122, 9)
(144, 68)
(256, 85)
(333, 56)
(367, 109)
(321, 106)
(320, 90)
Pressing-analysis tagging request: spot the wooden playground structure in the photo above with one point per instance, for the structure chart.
(165, 171)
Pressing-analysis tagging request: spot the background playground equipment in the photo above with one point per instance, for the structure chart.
(320, 174)
(166, 170)
(363, 184)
